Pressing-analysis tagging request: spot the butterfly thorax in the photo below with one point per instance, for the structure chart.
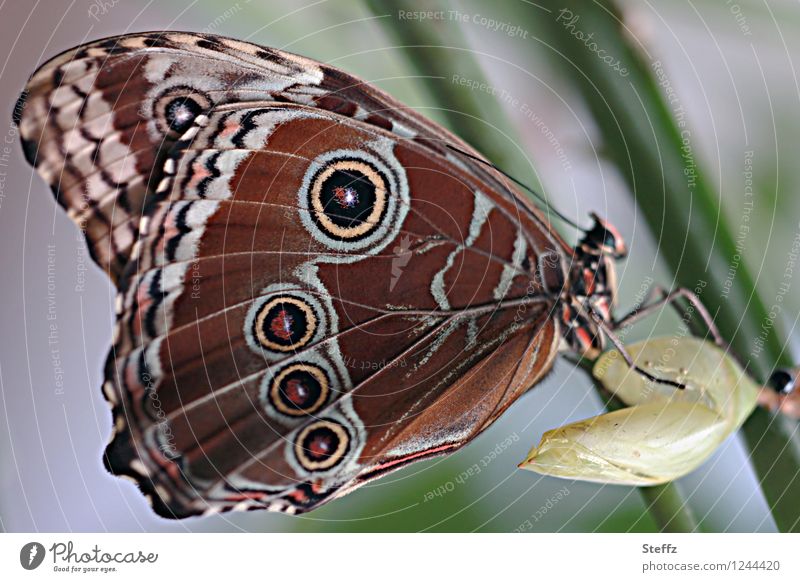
(587, 292)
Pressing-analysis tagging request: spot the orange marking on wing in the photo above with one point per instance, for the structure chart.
(199, 173)
(230, 128)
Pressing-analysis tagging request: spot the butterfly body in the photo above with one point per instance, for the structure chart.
(314, 287)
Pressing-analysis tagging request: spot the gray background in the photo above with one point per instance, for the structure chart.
(740, 94)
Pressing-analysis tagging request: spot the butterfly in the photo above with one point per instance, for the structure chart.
(316, 285)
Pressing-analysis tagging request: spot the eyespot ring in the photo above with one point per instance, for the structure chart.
(176, 109)
(322, 445)
(284, 324)
(348, 199)
(299, 389)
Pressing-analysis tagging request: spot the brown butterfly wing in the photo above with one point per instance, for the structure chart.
(426, 320)
(97, 120)
(414, 364)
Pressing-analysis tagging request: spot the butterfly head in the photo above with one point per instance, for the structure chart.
(603, 239)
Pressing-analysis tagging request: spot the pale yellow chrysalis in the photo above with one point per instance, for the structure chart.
(665, 432)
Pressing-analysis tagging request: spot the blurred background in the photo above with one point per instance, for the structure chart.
(728, 72)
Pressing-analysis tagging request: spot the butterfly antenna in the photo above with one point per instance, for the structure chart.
(538, 196)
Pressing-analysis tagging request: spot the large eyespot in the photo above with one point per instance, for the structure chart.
(176, 109)
(348, 199)
(284, 319)
(321, 445)
(354, 200)
(284, 324)
(299, 389)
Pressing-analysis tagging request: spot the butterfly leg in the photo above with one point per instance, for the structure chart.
(604, 327)
(671, 298)
(782, 390)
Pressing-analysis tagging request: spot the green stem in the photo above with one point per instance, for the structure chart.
(669, 509)
(655, 154)
(436, 53)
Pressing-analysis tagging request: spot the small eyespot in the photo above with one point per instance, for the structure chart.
(299, 389)
(180, 113)
(284, 324)
(322, 445)
(347, 199)
(176, 109)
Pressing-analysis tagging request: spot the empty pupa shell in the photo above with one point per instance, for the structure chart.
(665, 432)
